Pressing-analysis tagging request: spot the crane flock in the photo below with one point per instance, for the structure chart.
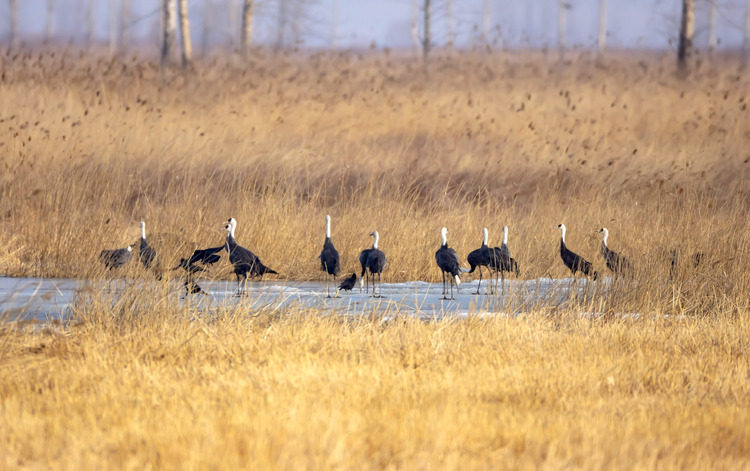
(497, 261)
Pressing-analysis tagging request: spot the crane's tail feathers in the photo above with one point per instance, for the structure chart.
(458, 280)
(361, 280)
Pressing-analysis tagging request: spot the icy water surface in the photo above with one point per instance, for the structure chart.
(45, 299)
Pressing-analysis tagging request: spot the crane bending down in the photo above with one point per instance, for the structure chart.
(115, 258)
(245, 262)
(197, 262)
(372, 260)
(329, 257)
(447, 261)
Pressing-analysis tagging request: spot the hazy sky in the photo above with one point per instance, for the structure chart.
(514, 23)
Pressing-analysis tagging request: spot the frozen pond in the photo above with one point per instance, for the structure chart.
(44, 299)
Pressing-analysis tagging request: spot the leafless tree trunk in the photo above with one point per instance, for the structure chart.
(247, 26)
(712, 27)
(125, 24)
(169, 30)
(687, 29)
(602, 27)
(113, 27)
(49, 27)
(187, 44)
(746, 39)
(90, 22)
(297, 14)
(414, 24)
(450, 24)
(562, 27)
(335, 26)
(13, 24)
(208, 10)
(233, 23)
(426, 44)
(486, 21)
(281, 26)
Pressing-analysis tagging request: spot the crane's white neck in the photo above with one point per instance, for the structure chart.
(328, 227)
(444, 235)
(130, 249)
(505, 235)
(375, 240)
(562, 232)
(230, 227)
(485, 236)
(143, 230)
(605, 234)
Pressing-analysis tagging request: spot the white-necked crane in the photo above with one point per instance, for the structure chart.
(147, 254)
(374, 262)
(572, 260)
(502, 261)
(447, 260)
(115, 258)
(329, 257)
(197, 262)
(244, 261)
(616, 262)
(480, 258)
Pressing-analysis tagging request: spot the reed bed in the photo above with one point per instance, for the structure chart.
(655, 374)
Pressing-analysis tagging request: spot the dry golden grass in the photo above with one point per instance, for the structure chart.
(91, 147)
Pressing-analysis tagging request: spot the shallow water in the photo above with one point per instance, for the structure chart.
(24, 299)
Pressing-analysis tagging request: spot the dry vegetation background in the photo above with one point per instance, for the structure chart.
(89, 147)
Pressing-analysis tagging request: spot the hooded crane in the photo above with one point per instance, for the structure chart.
(348, 283)
(329, 257)
(197, 262)
(501, 259)
(147, 254)
(447, 260)
(480, 258)
(616, 262)
(244, 261)
(115, 258)
(374, 261)
(572, 260)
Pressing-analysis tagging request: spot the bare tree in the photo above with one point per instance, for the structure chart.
(687, 30)
(450, 23)
(712, 27)
(169, 30)
(486, 21)
(282, 21)
(90, 23)
(125, 23)
(426, 41)
(187, 44)
(49, 27)
(247, 25)
(602, 27)
(13, 24)
(562, 27)
(208, 16)
(113, 27)
(335, 25)
(414, 24)
(746, 38)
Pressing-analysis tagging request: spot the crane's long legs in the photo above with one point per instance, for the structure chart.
(480, 279)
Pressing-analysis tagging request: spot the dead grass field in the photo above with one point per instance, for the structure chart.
(89, 147)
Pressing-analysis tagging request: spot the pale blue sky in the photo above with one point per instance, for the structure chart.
(632, 23)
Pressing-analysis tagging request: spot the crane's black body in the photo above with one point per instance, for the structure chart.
(244, 261)
(349, 282)
(447, 261)
(115, 258)
(573, 261)
(147, 254)
(329, 257)
(363, 262)
(616, 262)
(373, 261)
(195, 263)
(501, 262)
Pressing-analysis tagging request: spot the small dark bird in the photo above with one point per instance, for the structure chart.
(244, 261)
(147, 254)
(348, 283)
(374, 261)
(329, 257)
(572, 260)
(447, 260)
(480, 258)
(115, 258)
(195, 263)
(616, 262)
